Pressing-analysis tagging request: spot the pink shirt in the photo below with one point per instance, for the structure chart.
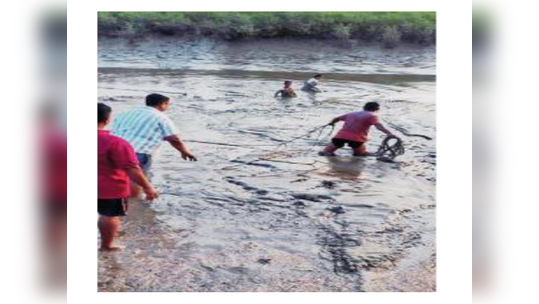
(114, 156)
(356, 125)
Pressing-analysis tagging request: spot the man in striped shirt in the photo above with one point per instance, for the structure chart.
(147, 127)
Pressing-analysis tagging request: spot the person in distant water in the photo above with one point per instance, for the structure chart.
(287, 91)
(311, 84)
(355, 131)
(146, 128)
(116, 163)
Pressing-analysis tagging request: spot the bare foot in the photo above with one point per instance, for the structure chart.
(111, 248)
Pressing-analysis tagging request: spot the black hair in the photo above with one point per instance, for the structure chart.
(287, 82)
(371, 106)
(154, 100)
(103, 112)
(317, 75)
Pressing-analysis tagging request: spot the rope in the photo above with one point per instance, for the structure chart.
(388, 152)
(403, 131)
(320, 139)
(274, 155)
(308, 134)
(284, 161)
(226, 144)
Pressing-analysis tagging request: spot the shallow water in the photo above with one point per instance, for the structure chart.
(264, 217)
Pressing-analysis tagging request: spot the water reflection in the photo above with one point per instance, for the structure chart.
(349, 168)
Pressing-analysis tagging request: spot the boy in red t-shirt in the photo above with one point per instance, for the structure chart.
(355, 131)
(117, 163)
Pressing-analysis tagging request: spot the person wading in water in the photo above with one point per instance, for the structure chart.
(311, 84)
(355, 132)
(287, 91)
(145, 128)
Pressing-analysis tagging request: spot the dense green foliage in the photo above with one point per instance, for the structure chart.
(389, 28)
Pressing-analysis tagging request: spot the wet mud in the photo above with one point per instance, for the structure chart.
(257, 213)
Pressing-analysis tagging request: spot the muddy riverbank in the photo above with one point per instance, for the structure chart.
(262, 217)
(387, 29)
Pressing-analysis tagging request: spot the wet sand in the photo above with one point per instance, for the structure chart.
(260, 217)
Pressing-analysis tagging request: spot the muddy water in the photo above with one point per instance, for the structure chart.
(264, 217)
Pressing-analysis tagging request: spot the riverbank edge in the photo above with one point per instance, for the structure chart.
(388, 31)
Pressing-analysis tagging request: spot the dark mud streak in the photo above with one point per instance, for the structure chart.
(334, 244)
(336, 237)
(386, 79)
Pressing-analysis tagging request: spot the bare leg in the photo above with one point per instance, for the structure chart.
(360, 151)
(108, 227)
(329, 150)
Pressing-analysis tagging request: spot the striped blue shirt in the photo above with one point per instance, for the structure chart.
(144, 128)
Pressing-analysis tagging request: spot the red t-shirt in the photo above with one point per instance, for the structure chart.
(356, 125)
(54, 172)
(114, 156)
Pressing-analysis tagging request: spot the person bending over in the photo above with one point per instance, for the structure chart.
(355, 132)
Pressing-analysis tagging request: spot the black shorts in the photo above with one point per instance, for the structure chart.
(145, 162)
(112, 207)
(338, 142)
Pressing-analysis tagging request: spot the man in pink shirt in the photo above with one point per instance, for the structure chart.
(355, 131)
(117, 163)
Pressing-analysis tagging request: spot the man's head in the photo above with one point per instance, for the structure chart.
(287, 83)
(103, 114)
(158, 101)
(318, 76)
(371, 106)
